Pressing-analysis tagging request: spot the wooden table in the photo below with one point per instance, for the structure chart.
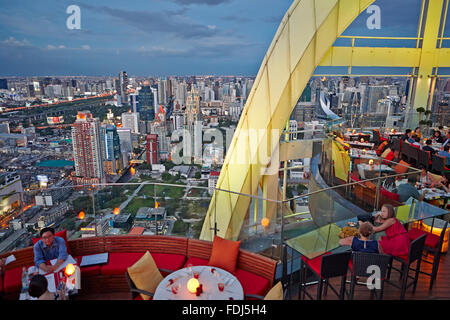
(232, 287)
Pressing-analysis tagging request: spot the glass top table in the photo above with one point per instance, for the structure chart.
(324, 239)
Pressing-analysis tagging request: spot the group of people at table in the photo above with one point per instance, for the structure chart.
(416, 139)
(395, 243)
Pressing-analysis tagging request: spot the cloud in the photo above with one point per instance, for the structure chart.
(236, 19)
(16, 43)
(86, 47)
(172, 22)
(207, 2)
(52, 47)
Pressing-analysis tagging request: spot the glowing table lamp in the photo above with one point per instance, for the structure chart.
(192, 285)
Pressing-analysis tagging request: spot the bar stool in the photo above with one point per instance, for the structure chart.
(329, 265)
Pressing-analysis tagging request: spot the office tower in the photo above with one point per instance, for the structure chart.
(87, 149)
(126, 142)
(191, 116)
(146, 102)
(152, 150)
(134, 102)
(122, 87)
(111, 150)
(11, 191)
(162, 91)
(4, 84)
(4, 127)
(130, 120)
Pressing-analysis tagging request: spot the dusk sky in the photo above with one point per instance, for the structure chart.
(157, 37)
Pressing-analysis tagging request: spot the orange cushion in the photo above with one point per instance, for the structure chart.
(380, 148)
(402, 167)
(61, 234)
(224, 254)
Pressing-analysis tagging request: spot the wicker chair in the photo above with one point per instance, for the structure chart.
(358, 267)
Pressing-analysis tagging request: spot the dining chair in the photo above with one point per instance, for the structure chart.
(359, 264)
(136, 292)
(325, 267)
(433, 246)
(414, 255)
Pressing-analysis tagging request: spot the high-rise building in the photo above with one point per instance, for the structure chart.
(134, 102)
(87, 149)
(113, 161)
(122, 87)
(11, 191)
(191, 117)
(152, 150)
(4, 84)
(4, 127)
(130, 120)
(162, 91)
(146, 102)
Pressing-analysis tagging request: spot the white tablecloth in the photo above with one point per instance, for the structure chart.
(209, 280)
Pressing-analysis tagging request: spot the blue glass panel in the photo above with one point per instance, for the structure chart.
(443, 71)
(381, 70)
(397, 18)
(331, 70)
(385, 43)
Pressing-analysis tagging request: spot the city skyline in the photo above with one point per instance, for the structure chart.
(148, 37)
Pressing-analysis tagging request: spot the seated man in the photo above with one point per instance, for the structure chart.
(407, 190)
(428, 147)
(49, 248)
(446, 154)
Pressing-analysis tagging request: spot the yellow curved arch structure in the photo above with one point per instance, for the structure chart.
(305, 35)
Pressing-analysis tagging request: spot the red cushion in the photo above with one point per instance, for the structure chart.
(1, 283)
(118, 262)
(196, 262)
(350, 264)
(404, 258)
(354, 178)
(252, 283)
(139, 297)
(315, 263)
(390, 195)
(12, 281)
(169, 261)
(431, 240)
(390, 156)
(89, 270)
(62, 234)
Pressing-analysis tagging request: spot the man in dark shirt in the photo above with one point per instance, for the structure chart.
(407, 190)
(407, 135)
(428, 147)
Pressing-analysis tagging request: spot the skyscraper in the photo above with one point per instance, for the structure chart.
(4, 84)
(111, 150)
(87, 149)
(122, 89)
(146, 102)
(130, 120)
(152, 150)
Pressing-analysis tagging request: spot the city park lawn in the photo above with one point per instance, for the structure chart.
(137, 203)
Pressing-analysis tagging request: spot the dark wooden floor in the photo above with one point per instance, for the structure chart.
(441, 288)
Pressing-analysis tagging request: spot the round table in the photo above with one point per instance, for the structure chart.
(233, 288)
